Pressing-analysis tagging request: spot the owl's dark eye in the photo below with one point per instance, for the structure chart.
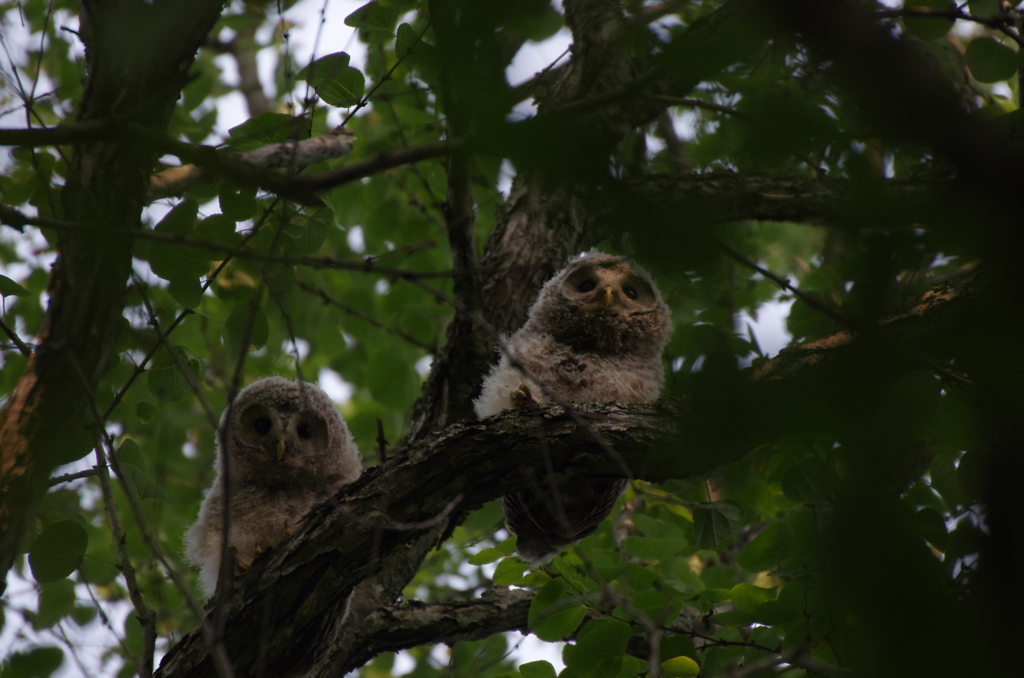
(587, 286)
(305, 431)
(262, 425)
(631, 292)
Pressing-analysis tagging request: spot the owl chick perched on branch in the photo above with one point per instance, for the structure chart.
(288, 449)
(594, 334)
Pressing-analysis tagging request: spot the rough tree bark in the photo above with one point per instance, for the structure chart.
(138, 57)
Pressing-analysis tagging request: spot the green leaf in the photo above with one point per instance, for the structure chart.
(129, 452)
(767, 549)
(714, 523)
(56, 601)
(990, 60)
(808, 481)
(771, 613)
(307, 232)
(39, 662)
(165, 378)
(238, 322)
(538, 669)
(220, 228)
(733, 618)
(57, 551)
(600, 648)
(237, 203)
(337, 83)
(83, 615)
(748, 597)
(405, 40)
(679, 667)
(264, 129)
(553, 614)
(983, 7)
(510, 571)
(142, 485)
(392, 382)
(928, 28)
(186, 291)
(175, 262)
(488, 555)
(373, 17)
(145, 411)
(9, 288)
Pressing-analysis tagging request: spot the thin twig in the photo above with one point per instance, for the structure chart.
(327, 299)
(22, 346)
(217, 650)
(367, 265)
(141, 367)
(784, 284)
(146, 617)
(68, 477)
(999, 23)
(699, 103)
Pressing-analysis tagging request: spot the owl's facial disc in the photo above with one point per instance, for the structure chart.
(611, 286)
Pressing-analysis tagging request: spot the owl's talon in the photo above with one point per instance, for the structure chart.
(241, 566)
(521, 397)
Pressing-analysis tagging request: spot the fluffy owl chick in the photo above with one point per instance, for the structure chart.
(594, 334)
(288, 449)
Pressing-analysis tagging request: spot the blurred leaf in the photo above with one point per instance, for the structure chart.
(510, 571)
(807, 481)
(554, 615)
(373, 16)
(10, 288)
(600, 648)
(679, 667)
(337, 83)
(145, 411)
(406, 40)
(715, 522)
(245, 319)
(748, 597)
(237, 203)
(990, 60)
(56, 601)
(165, 377)
(186, 291)
(39, 662)
(767, 549)
(928, 28)
(537, 669)
(485, 556)
(58, 551)
(263, 129)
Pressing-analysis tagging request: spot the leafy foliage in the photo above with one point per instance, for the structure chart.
(847, 537)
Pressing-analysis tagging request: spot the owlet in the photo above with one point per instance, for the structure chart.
(287, 449)
(594, 334)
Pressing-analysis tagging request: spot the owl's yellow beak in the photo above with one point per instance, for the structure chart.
(280, 449)
(608, 297)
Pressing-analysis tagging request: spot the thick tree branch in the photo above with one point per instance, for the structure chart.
(138, 58)
(394, 628)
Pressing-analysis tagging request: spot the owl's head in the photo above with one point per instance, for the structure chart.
(605, 304)
(289, 432)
